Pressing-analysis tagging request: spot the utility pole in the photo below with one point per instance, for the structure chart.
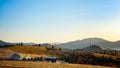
(90, 46)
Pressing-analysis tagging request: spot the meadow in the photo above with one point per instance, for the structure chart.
(70, 57)
(31, 64)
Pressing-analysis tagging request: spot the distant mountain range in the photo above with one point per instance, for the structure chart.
(3, 43)
(104, 44)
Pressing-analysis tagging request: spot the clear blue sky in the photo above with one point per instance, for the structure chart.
(58, 20)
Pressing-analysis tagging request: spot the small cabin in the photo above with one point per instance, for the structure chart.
(15, 57)
(50, 59)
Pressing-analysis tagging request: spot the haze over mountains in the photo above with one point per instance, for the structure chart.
(104, 44)
(2, 43)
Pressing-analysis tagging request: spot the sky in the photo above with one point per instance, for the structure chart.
(44, 21)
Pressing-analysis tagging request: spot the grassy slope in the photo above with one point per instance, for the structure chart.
(27, 49)
(25, 64)
(43, 51)
(33, 50)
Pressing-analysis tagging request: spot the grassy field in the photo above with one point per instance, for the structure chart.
(33, 50)
(27, 49)
(77, 57)
(29, 64)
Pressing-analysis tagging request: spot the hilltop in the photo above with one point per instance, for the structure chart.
(38, 50)
(104, 44)
(2, 43)
(93, 48)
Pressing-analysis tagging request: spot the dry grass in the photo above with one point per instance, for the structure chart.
(105, 56)
(28, 49)
(26, 64)
(33, 50)
(5, 53)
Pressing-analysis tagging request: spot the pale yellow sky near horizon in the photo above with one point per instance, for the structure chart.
(109, 32)
(46, 21)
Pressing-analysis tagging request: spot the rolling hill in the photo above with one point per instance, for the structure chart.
(93, 48)
(2, 43)
(34, 50)
(104, 44)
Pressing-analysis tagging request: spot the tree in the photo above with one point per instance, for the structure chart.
(21, 44)
(60, 48)
(24, 59)
(52, 46)
(39, 44)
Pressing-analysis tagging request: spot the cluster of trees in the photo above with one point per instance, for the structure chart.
(90, 58)
(112, 52)
(1, 46)
(49, 47)
(19, 44)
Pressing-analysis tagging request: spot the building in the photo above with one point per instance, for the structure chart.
(15, 57)
(50, 59)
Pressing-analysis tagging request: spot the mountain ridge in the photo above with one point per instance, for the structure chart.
(104, 44)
